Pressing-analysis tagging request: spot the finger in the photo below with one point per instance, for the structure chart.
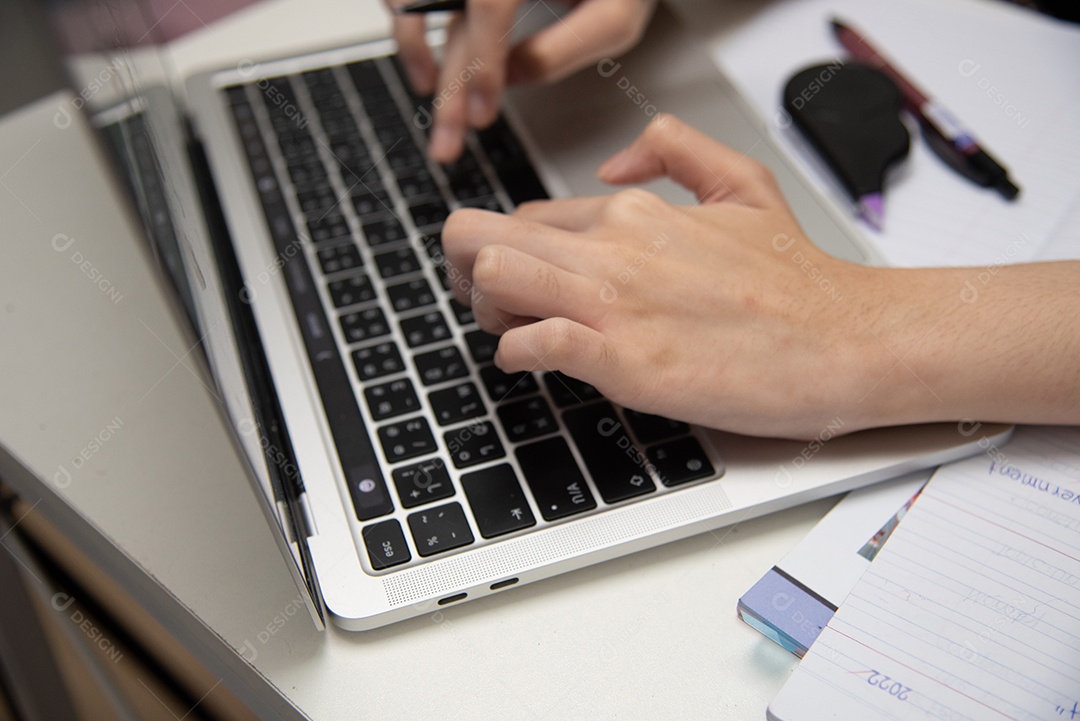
(450, 122)
(489, 25)
(595, 29)
(573, 214)
(415, 54)
(511, 284)
(559, 344)
(468, 230)
(713, 172)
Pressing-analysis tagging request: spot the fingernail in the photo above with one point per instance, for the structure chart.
(479, 110)
(612, 165)
(442, 144)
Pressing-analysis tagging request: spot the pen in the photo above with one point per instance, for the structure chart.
(431, 6)
(947, 138)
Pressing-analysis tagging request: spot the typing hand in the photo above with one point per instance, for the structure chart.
(479, 60)
(721, 313)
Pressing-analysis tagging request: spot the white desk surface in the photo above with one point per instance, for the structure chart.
(652, 635)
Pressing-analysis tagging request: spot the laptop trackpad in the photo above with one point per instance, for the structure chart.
(581, 121)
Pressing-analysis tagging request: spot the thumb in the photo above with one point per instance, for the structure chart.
(713, 172)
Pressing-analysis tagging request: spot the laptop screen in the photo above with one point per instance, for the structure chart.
(117, 65)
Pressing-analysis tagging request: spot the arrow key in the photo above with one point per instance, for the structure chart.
(497, 501)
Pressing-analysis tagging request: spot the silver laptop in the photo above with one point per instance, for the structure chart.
(296, 219)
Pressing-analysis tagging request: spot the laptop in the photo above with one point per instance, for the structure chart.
(294, 219)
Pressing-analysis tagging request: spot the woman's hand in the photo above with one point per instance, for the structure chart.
(724, 314)
(479, 61)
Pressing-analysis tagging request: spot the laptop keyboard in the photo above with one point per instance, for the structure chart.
(440, 449)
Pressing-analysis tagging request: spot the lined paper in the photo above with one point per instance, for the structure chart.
(972, 609)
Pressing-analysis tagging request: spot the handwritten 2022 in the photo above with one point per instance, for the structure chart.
(886, 684)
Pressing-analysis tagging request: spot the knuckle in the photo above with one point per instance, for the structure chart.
(489, 267)
(631, 203)
(664, 127)
(759, 172)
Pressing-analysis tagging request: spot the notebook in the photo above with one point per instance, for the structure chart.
(1012, 76)
(398, 467)
(972, 608)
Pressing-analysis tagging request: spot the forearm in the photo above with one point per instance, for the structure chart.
(1000, 344)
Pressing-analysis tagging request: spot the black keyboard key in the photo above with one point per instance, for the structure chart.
(418, 185)
(328, 227)
(440, 529)
(500, 143)
(340, 127)
(382, 230)
(525, 419)
(337, 258)
(567, 391)
(462, 313)
(362, 325)
(395, 398)
(407, 439)
(482, 346)
(460, 403)
(440, 365)
(649, 428)
(366, 76)
(432, 211)
(444, 279)
(680, 461)
(308, 174)
(350, 291)
(423, 482)
(377, 361)
(484, 202)
(618, 468)
(371, 198)
(411, 295)
(316, 199)
(497, 501)
(424, 329)
(385, 544)
(402, 155)
(522, 183)
(473, 444)
(501, 386)
(433, 247)
(554, 478)
(397, 262)
(350, 155)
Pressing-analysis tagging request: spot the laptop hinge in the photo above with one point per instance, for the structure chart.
(290, 496)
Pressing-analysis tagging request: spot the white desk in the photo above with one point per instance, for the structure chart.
(652, 635)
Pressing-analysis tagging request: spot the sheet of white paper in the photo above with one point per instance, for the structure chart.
(972, 609)
(1011, 76)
